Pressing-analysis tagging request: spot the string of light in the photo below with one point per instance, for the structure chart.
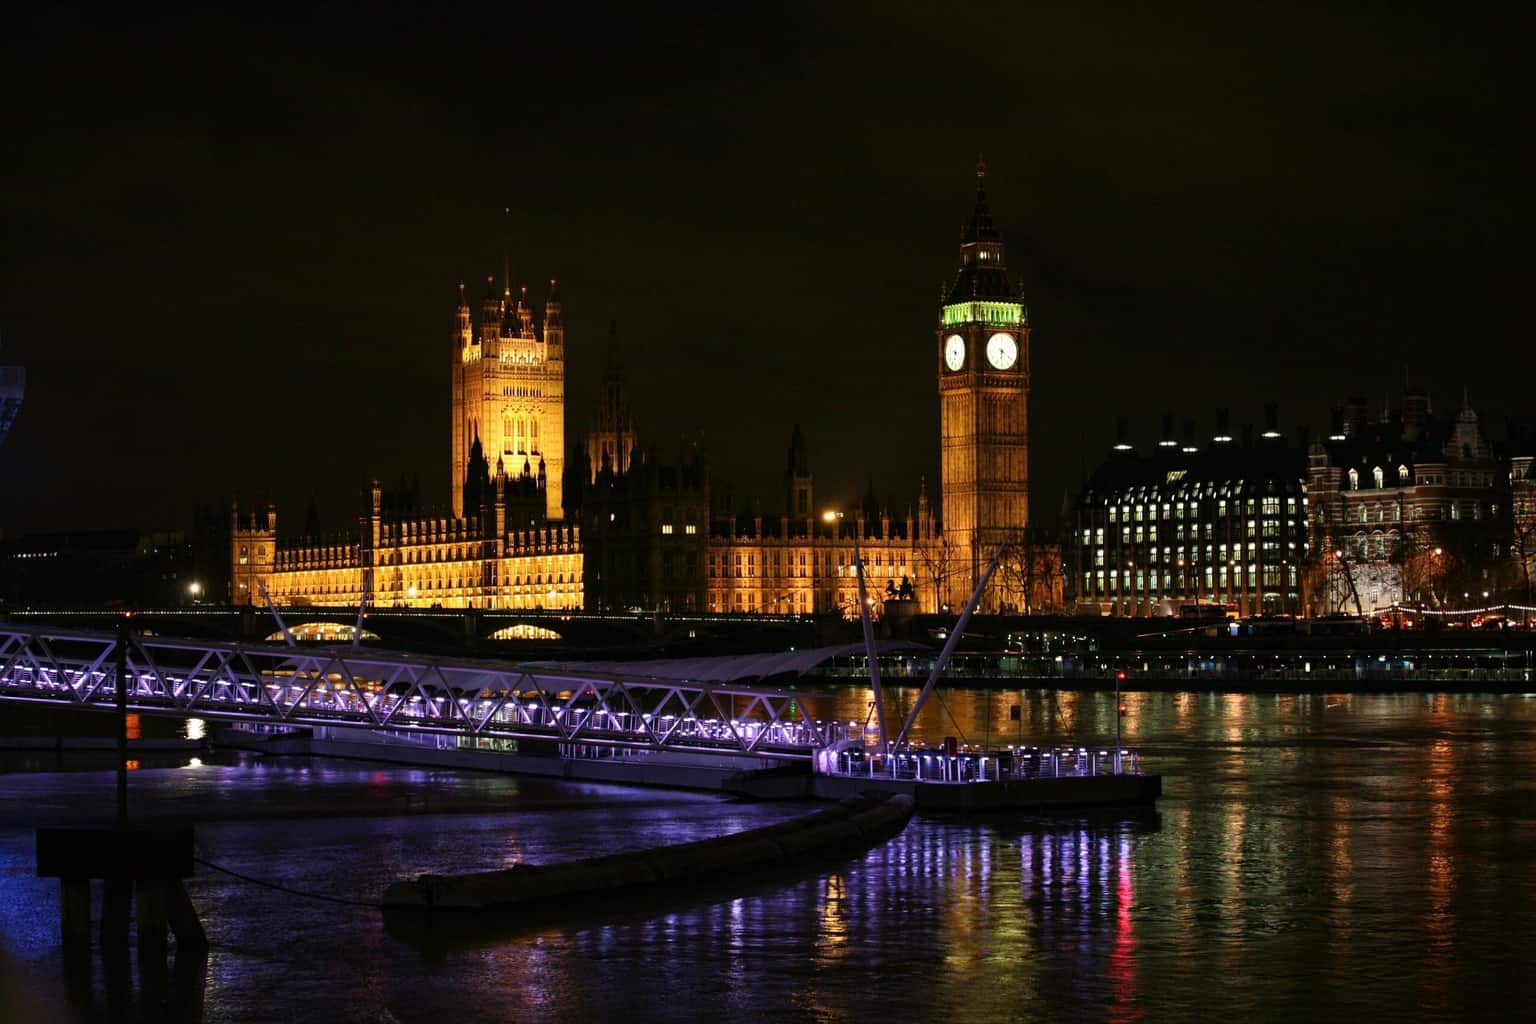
(1465, 611)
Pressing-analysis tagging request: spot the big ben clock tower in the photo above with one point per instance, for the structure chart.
(983, 357)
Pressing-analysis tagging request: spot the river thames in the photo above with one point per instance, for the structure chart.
(1318, 857)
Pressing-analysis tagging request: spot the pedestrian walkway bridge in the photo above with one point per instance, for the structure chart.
(595, 705)
(716, 706)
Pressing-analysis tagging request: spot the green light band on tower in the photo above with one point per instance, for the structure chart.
(1001, 314)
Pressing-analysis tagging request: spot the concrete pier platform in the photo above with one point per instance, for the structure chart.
(1043, 794)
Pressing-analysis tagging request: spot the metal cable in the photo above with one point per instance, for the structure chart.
(285, 889)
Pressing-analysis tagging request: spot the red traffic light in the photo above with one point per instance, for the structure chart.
(1120, 676)
(1122, 709)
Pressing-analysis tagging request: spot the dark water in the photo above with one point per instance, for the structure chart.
(1313, 858)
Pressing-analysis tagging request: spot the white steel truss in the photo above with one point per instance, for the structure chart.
(349, 686)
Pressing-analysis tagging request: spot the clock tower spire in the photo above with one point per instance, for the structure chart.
(983, 357)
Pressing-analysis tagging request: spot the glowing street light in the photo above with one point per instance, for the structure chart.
(833, 516)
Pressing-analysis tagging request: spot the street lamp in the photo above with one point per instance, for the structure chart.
(834, 516)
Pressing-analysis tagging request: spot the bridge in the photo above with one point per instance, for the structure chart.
(358, 687)
(453, 629)
(689, 706)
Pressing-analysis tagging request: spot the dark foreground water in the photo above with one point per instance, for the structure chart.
(1313, 858)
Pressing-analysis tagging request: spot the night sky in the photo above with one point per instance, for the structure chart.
(231, 244)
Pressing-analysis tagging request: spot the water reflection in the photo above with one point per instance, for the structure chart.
(1314, 856)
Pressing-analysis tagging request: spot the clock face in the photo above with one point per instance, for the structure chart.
(954, 351)
(1002, 351)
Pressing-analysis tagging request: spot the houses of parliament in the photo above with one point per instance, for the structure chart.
(603, 524)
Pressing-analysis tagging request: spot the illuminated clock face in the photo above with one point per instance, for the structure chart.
(954, 351)
(1002, 351)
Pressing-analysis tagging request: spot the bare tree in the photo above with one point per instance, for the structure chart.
(1522, 540)
(1343, 582)
(938, 562)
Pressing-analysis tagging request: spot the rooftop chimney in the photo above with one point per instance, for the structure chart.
(1223, 426)
(1271, 421)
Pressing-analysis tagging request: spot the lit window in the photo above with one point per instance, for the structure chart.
(666, 528)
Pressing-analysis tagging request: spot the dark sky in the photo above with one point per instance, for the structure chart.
(231, 244)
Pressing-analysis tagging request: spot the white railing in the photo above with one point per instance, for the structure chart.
(362, 688)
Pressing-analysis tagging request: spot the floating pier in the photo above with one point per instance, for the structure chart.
(854, 821)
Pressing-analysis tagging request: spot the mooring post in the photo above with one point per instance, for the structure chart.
(75, 912)
(116, 897)
(150, 905)
(183, 919)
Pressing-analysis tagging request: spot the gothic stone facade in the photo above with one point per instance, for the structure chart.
(983, 371)
(1407, 508)
(505, 545)
(655, 536)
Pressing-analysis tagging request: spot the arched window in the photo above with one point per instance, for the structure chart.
(1380, 477)
(1354, 479)
(1402, 474)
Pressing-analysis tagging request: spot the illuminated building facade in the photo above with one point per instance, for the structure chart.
(800, 564)
(1407, 507)
(653, 535)
(655, 540)
(509, 389)
(506, 544)
(983, 376)
(505, 555)
(1184, 530)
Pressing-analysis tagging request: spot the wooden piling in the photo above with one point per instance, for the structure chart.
(116, 899)
(75, 911)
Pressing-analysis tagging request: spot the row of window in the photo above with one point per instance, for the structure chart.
(1140, 535)
(733, 566)
(1458, 478)
(1140, 581)
(1270, 550)
(1191, 509)
(1455, 510)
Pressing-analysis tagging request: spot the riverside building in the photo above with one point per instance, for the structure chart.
(1188, 530)
(1411, 508)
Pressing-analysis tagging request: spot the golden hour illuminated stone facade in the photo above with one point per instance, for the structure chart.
(505, 545)
(983, 371)
(509, 390)
(482, 561)
(628, 530)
